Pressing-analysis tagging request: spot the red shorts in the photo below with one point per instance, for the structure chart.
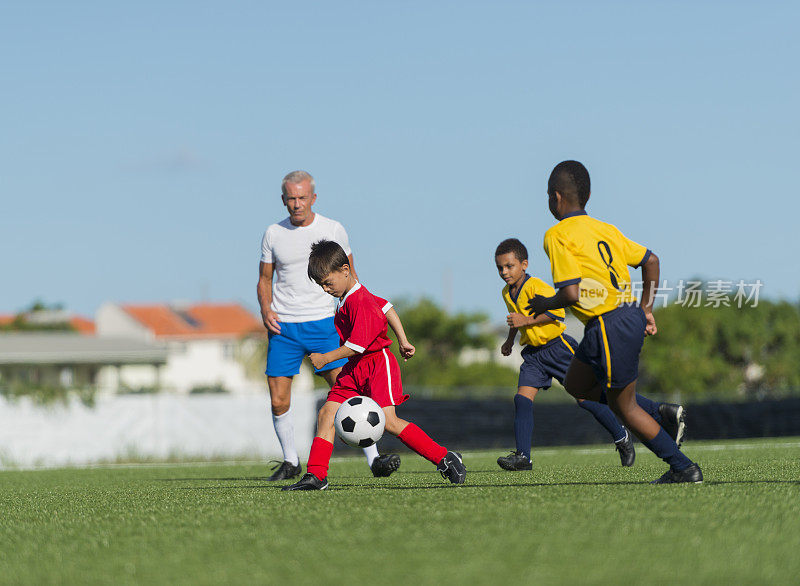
(375, 375)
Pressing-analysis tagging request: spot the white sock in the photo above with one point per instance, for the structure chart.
(284, 429)
(371, 453)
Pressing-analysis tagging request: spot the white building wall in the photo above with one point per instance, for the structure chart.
(192, 363)
(147, 426)
(113, 321)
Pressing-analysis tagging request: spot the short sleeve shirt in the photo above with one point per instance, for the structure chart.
(537, 335)
(596, 256)
(361, 321)
(295, 297)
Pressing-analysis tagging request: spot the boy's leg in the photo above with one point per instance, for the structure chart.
(523, 419)
(604, 417)
(413, 437)
(370, 453)
(581, 382)
(449, 464)
(321, 449)
(325, 342)
(623, 403)
(322, 446)
(520, 459)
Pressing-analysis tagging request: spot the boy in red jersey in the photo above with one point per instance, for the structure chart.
(372, 370)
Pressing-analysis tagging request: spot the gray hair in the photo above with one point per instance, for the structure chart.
(297, 177)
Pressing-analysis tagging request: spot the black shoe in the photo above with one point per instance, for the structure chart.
(286, 470)
(384, 465)
(515, 461)
(452, 467)
(627, 453)
(673, 420)
(308, 482)
(691, 474)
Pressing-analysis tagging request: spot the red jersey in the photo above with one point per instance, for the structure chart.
(360, 321)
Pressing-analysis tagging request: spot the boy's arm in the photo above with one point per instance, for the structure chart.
(518, 320)
(505, 349)
(320, 360)
(651, 272)
(564, 297)
(406, 349)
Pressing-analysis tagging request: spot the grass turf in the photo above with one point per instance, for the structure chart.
(579, 518)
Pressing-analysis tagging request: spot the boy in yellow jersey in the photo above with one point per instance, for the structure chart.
(547, 352)
(589, 260)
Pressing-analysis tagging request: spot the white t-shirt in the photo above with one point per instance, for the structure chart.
(295, 297)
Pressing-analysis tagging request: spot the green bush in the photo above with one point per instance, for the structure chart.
(713, 350)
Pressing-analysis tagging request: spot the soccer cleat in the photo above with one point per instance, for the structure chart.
(384, 465)
(515, 461)
(627, 453)
(308, 482)
(452, 467)
(285, 471)
(692, 474)
(673, 420)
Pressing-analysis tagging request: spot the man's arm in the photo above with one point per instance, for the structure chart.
(264, 291)
(352, 266)
(651, 272)
(406, 349)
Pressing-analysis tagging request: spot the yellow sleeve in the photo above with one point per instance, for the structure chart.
(563, 264)
(635, 253)
(509, 306)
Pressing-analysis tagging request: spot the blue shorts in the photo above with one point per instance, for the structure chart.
(296, 341)
(542, 364)
(611, 345)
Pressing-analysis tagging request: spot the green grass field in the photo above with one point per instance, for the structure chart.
(579, 518)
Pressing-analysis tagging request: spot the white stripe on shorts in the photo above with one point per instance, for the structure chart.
(388, 375)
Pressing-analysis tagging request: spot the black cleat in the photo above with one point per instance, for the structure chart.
(384, 465)
(692, 474)
(515, 461)
(308, 482)
(627, 453)
(452, 467)
(285, 471)
(673, 420)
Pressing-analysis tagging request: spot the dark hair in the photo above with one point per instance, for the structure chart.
(512, 245)
(571, 180)
(326, 256)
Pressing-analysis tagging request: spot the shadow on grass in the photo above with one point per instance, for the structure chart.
(346, 486)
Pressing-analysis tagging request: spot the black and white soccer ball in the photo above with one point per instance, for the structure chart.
(359, 422)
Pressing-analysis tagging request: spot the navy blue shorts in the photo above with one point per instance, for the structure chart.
(544, 363)
(611, 345)
(296, 341)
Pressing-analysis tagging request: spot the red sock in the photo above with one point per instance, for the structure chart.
(320, 457)
(421, 443)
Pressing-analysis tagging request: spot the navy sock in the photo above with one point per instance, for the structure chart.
(665, 448)
(605, 417)
(651, 407)
(523, 423)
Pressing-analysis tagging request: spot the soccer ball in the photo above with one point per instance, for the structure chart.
(359, 422)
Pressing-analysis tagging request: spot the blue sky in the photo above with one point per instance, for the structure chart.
(142, 144)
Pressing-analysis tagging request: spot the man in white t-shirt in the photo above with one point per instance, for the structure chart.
(299, 314)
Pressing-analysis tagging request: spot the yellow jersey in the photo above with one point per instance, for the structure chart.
(595, 255)
(540, 334)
